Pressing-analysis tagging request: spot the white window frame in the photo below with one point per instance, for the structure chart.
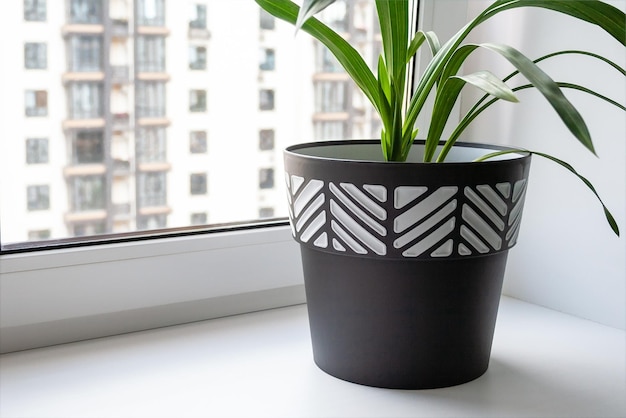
(57, 296)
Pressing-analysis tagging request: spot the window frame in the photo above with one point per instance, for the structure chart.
(148, 279)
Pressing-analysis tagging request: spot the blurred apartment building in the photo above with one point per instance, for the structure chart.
(124, 115)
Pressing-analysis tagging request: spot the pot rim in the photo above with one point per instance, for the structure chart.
(293, 150)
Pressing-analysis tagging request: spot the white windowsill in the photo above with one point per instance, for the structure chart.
(543, 364)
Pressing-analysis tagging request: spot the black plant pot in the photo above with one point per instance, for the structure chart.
(403, 262)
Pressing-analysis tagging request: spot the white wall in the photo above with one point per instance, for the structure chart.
(567, 258)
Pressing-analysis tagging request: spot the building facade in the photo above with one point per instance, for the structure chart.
(126, 115)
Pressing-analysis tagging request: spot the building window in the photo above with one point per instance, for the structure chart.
(36, 103)
(152, 189)
(86, 11)
(151, 53)
(266, 20)
(198, 142)
(38, 197)
(38, 234)
(87, 193)
(152, 222)
(267, 59)
(88, 228)
(200, 218)
(325, 61)
(197, 101)
(35, 10)
(198, 184)
(330, 130)
(86, 53)
(331, 96)
(151, 13)
(150, 99)
(266, 99)
(197, 19)
(86, 100)
(266, 213)
(35, 55)
(36, 150)
(88, 147)
(337, 17)
(197, 57)
(266, 139)
(151, 145)
(266, 178)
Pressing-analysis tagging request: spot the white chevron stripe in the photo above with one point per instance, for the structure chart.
(373, 207)
(473, 240)
(484, 208)
(313, 227)
(424, 208)
(403, 195)
(482, 227)
(425, 226)
(376, 190)
(493, 198)
(310, 210)
(296, 182)
(445, 250)
(518, 188)
(308, 193)
(357, 230)
(357, 211)
(356, 247)
(517, 209)
(430, 240)
(504, 189)
(322, 240)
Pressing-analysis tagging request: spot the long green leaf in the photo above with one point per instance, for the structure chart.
(609, 217)
(310, 8)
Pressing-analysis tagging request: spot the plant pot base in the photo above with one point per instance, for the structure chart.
(410, 324)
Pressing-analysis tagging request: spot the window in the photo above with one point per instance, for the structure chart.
(197, 57)
(83, 229)
(35, 55)
(198, 142)
(86, 100)
(35, 10)
(198, 16)
(38, 197)
(151, 12)
(86, 11)
(197, 101)
(87, 193)
(266, 60)
(325, 61)
(266, 20)
(38, 234)
(151, 145)
(151, 53)
(266, 213)
(337, 17)
(266, 139)
(88, 147)
(331, 96)
(152, 222)
(152, 189)
(266, 99)
(36, 150)
(266, 178)
(198, 183)
(85, 53)
(330, 130)
(200, 218)
(150, 99)
(36, 103)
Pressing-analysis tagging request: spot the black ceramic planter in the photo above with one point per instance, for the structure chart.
(403, 262)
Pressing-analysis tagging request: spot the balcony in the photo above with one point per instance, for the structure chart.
(83, 123)
(119, 28)
(121, 167)
(198, 33)
(121, 210)
(84, 170)
(82, 29)
(120, 74)
(121, 121)
(86, 216)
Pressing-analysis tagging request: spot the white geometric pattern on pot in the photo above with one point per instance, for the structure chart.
(345, 217)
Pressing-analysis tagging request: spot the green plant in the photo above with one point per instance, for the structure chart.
(387, 90)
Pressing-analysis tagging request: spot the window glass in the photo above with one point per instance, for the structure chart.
(124, 110)
(35, 55)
